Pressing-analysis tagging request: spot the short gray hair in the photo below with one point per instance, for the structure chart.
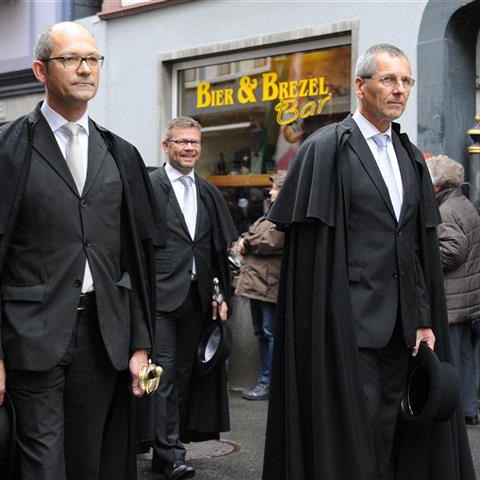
(445, 172)
(43, 46)
(278, 178)
(181, 122)
(366, 64)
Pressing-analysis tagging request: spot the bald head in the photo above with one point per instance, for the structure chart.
(52, 35)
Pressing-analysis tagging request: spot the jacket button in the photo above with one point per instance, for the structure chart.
(83, 204)
(395, 275)
(77, 283)
(399, 234)
(87, 243)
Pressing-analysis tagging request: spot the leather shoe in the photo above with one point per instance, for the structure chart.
(259, 392)
(178, 469)
(471, 420)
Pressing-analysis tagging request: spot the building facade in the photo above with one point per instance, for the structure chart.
(260, 75)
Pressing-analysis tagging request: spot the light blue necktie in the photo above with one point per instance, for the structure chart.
(386, 169)
(73, 155)
(189, 210)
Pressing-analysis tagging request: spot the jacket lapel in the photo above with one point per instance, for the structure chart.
(364, 154)
(97, 151)
(405, 165)
(45, 144)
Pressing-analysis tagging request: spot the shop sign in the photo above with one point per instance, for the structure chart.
(293, 97)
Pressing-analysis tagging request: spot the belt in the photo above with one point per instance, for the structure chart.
(86, 301)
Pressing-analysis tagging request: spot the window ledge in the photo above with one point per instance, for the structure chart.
(114, 8)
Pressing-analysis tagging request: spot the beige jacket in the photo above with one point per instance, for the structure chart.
(260, 274)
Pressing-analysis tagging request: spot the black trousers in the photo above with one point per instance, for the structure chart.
(176, 340)
(383, 374)
(61, 413)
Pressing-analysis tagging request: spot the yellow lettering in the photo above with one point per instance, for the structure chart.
(323, 89)
(287, 111)
(322, 102)
(293, 89)
(308, 109)
(270, 88)
(213, 98)
(203, 95)
(303, 88)
(283, 90)
(229, 96)
(313, 87)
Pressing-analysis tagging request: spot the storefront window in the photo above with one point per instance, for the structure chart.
(255, 113)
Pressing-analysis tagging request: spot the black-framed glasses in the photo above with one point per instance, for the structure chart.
(185, 143)
(390, 81)
(73, 62)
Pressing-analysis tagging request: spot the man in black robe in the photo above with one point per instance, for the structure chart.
(189, 253)
(361, 288)
(74, 265)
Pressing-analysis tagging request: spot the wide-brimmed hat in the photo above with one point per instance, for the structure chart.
(215, 346)
(7, 439)
(431, 392)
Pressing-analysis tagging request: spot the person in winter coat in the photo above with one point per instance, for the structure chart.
(261, 249)
(459, 241)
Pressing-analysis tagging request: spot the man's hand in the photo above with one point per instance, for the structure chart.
(139, 358)
(3, 378)
(221, 310)
(424, 335)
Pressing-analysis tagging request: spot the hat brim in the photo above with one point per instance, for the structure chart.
(431, 393)
(215, 346)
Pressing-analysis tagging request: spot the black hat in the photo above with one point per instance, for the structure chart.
(431, 393)
(7, 438)
(215, 346)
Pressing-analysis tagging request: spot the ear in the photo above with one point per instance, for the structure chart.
(358, 87)
(40, 71)
(165, 146)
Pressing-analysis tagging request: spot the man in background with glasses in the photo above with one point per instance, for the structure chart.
(361, 288)
(189, 253)
(76, 219)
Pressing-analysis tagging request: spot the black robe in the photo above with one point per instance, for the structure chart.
(318, 427)
(141, 216)
(206, 411)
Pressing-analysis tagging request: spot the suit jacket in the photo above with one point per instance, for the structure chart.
(383, 268)
(51, 231)
(175, 250)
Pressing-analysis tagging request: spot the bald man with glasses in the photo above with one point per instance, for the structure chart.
(76, 223)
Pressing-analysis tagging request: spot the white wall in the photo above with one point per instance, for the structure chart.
(128, 99)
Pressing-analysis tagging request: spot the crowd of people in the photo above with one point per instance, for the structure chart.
(105, 267)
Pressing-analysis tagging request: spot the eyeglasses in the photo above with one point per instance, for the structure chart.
(185, 143)
(390, 81)
(73, 62)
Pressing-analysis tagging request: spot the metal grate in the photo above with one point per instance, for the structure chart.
(210, 448)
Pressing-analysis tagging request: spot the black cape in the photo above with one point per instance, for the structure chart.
(318, 427)
(16, 139)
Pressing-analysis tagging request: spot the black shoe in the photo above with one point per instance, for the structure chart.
(178, 469)
(259, 392)
(471, 420)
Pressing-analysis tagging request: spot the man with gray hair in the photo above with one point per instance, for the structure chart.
(361, 288)
(459, 241)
